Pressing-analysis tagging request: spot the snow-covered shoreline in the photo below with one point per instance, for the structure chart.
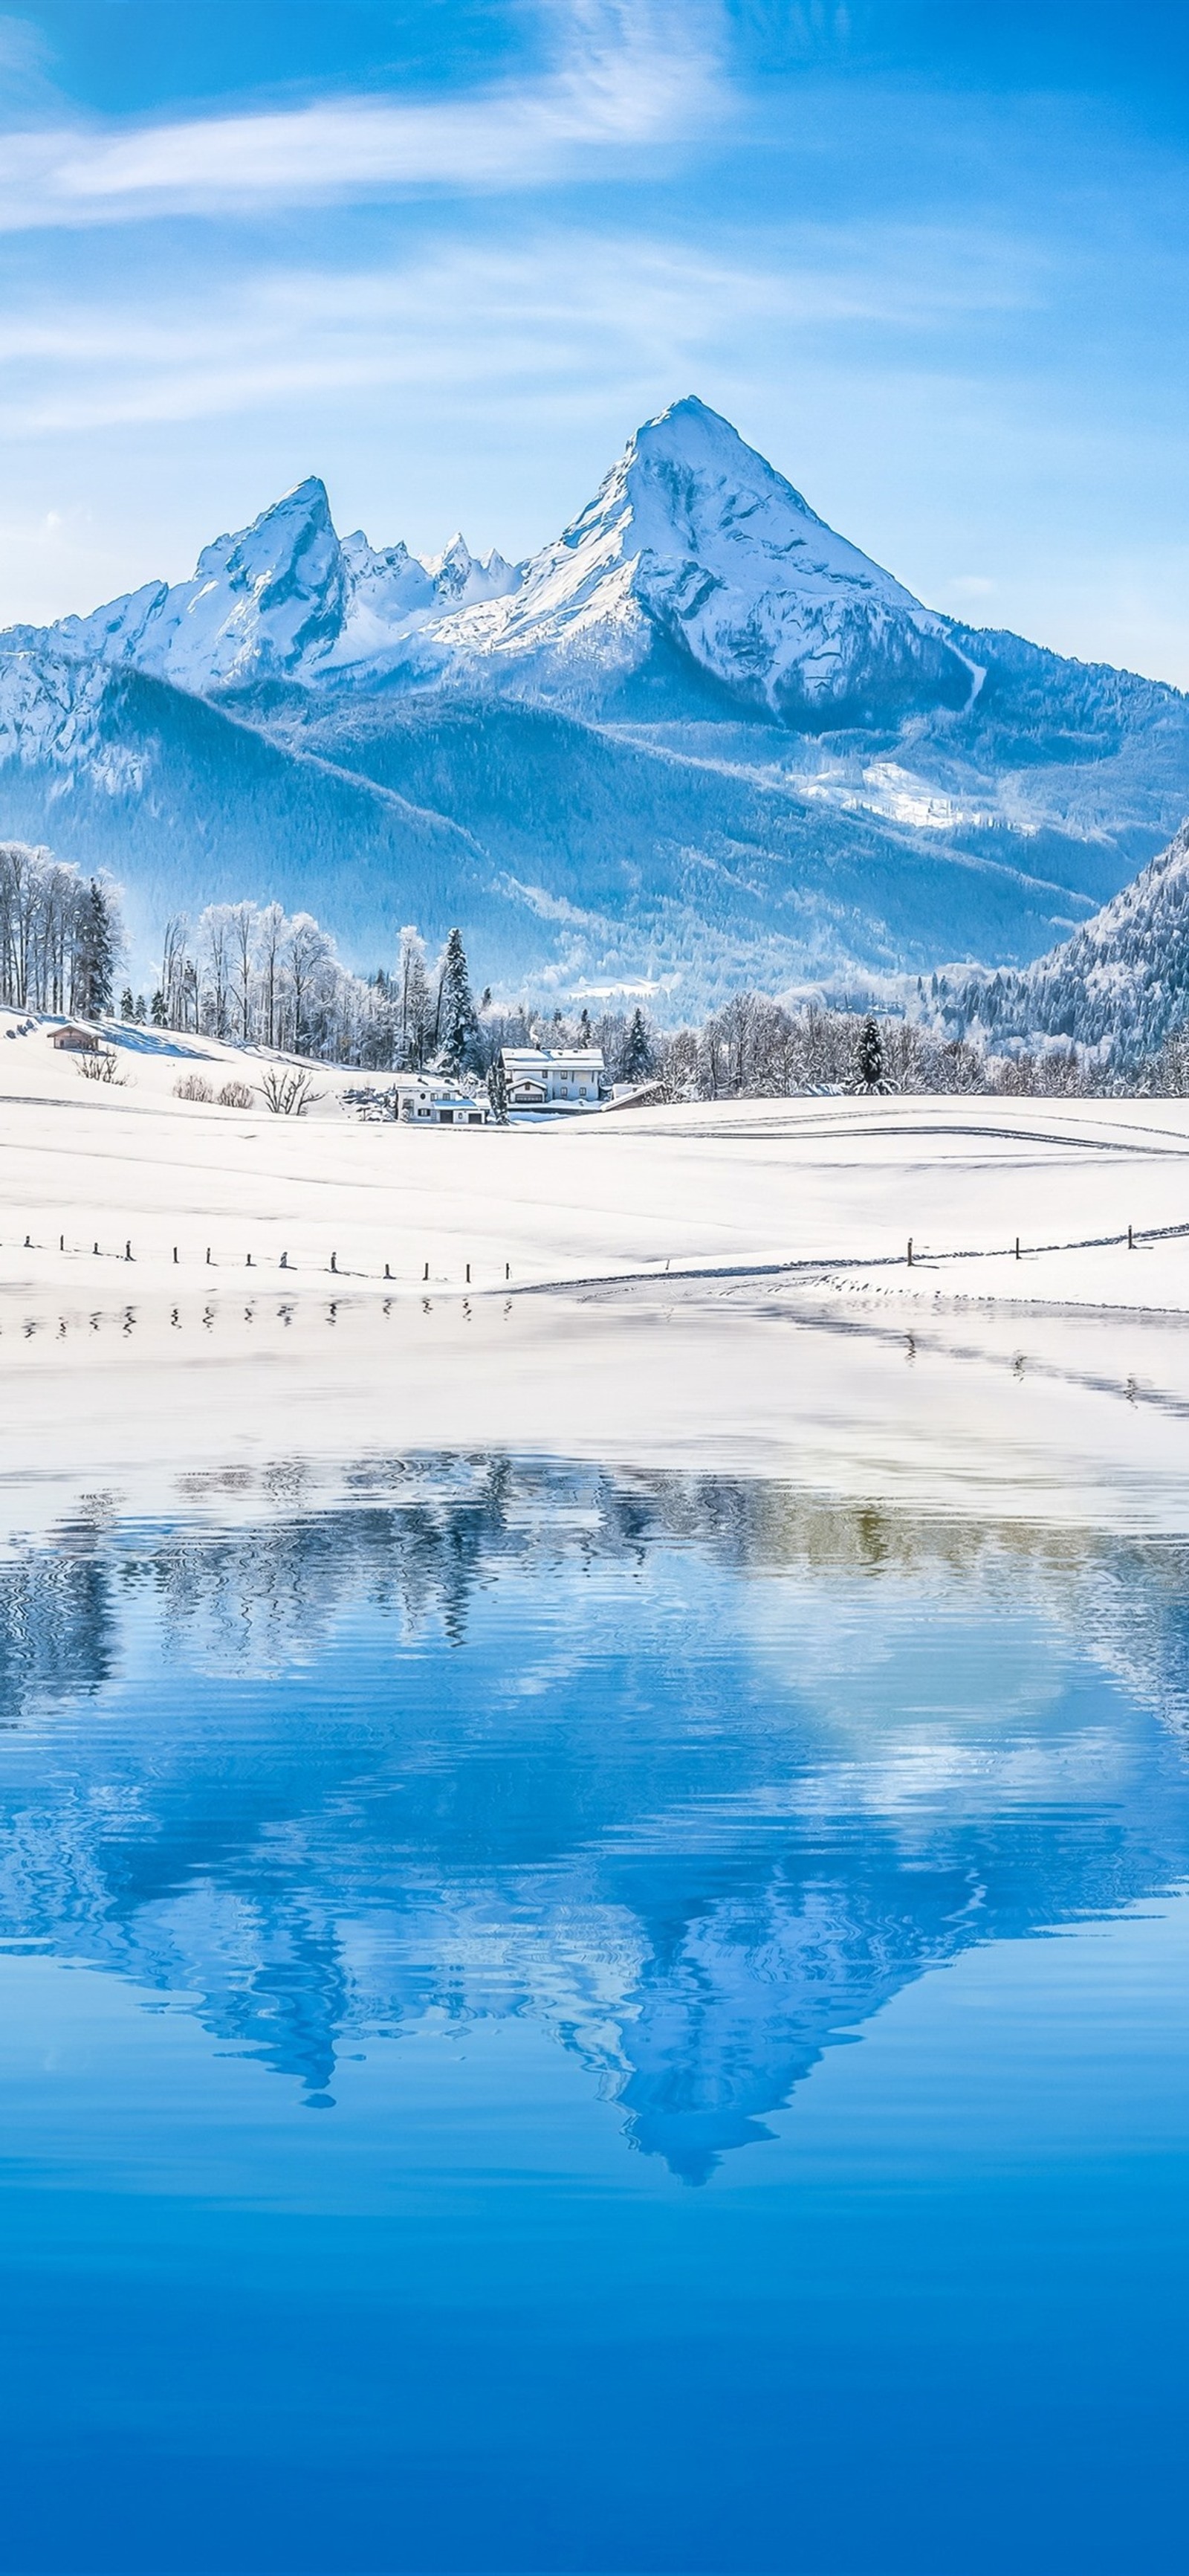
(722, 1287)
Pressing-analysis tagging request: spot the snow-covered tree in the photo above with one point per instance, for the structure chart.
(637, 1059)
(216, 948)
(869, 1061)
(497, 1091)
(96, 946)
(457, 1018)
(415, 1009)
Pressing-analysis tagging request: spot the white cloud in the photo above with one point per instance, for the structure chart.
(630, 73)
(536, 316)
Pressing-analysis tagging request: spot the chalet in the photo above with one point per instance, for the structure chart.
(75, 1040)
(554, 1077)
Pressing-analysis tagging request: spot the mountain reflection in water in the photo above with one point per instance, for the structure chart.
(696, 1772)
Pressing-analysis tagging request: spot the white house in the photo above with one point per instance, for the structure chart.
(554, 1077)
(432, 1100)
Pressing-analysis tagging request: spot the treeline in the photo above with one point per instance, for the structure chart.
(256, 976)
(61, 936)
(253, 975)
(755, 1047)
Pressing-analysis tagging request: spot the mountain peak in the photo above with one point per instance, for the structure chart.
(289, 529)
(698, 564)
(688, 439)
(694, 423)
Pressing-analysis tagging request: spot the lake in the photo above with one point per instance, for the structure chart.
(574, 2020)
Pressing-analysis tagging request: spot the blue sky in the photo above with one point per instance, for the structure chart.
(932, 259)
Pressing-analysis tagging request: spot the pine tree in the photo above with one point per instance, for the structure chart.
(497, 1091)
(127, 1004)
(157, 1010)
(458, 1023)
(637, 1054)
(870, 1060)
(95, 954)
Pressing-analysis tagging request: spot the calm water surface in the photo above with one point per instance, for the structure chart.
(557, 2021)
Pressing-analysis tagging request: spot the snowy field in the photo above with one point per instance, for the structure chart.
(716, 1285)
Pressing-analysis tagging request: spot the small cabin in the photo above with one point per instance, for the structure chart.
(74, 1040)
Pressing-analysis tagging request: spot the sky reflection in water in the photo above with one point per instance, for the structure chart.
(555, 1837)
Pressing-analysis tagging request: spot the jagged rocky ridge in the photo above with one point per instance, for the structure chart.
(700, 739)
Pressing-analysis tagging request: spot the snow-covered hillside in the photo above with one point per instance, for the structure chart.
(1120, 984)
(699, 739)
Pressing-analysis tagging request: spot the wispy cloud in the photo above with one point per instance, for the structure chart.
(542, 313)
(626, 74)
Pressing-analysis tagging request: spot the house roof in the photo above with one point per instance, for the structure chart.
(556, 1059)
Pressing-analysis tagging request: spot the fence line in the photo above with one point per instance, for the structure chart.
(913, 1258)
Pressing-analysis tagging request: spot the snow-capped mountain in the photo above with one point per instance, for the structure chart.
(283, 599)
(700, 739)
(695, 548)
(695, 563)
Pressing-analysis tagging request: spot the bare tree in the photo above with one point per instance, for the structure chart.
(243, 941)
(307, 954)
(288, 1091)
(216, 951)
(271, 931)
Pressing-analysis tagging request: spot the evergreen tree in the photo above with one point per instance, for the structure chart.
(95, 954)
(458, 1022)
(870, 1060)
(127, 1004)
(637, 1060)
(497, 1091)
(157, 1010)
